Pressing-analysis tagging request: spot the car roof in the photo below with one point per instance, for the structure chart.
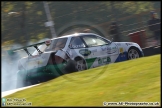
(73, 35)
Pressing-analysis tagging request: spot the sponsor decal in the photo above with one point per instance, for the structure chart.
(113, 47)
(85, 52)
(108, 59)
(128, 44)
(77, 46)
(121, 50)
(111, 50)
(104, 60)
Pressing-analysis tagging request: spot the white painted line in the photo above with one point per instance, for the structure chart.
(15, 90)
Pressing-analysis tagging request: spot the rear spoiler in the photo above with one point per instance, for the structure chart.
(48, 42)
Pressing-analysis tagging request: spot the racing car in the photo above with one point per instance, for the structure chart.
(71, 53)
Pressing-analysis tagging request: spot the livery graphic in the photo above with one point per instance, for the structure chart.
(85, 52)
(104, 60)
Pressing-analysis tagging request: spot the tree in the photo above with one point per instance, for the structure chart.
(62, 13)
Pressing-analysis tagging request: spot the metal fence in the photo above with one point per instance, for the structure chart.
(139, 23)
(129, 24)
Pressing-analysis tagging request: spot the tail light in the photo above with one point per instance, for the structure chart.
(48, 42)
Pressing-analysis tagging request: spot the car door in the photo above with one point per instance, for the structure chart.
(98, 56)
(109, 50)
(112, 51)
(77, 48)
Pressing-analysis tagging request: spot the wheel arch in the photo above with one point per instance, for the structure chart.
(79, 57)
(50, 59)
(134, 47)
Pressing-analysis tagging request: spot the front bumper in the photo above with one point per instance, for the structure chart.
(142, 53)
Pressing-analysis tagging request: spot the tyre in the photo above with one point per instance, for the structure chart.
(80, 64)
(133, 53)
(70, 67)
(75, 66)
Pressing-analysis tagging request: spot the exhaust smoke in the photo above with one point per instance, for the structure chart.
(10, 66)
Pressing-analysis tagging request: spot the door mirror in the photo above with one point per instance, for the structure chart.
(112, 39)
(69, 46)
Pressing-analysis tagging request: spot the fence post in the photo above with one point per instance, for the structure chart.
(142, 32)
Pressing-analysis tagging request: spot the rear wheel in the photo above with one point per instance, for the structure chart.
(133, 53)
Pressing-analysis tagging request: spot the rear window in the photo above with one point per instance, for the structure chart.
(54, 46)
(57, 44)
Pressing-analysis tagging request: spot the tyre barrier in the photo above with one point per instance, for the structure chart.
(153, 50)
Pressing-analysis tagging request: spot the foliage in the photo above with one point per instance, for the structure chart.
(27, 23)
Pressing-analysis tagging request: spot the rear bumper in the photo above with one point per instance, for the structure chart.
(42, 73)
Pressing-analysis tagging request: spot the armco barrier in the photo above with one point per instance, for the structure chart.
(153, 50)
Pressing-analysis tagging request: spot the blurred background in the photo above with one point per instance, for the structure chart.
(27, 22)
(24, 22)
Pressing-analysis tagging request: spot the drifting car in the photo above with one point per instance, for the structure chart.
(70, 53)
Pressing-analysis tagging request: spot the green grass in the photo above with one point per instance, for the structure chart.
(134, 81)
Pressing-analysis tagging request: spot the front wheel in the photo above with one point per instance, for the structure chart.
(75, 66)
(133, 53)
(80, 65)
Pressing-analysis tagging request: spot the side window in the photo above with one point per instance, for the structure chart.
(76, 42)
(90, 40)
(101, 41)
(94, 41)
(59, 44)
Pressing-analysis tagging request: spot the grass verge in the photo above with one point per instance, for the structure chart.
(133, 81)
